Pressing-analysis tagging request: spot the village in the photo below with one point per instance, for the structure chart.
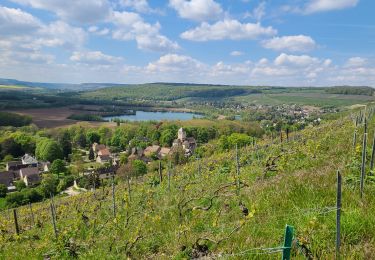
(101, 163)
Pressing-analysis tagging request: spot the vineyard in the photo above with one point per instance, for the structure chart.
(231, 205)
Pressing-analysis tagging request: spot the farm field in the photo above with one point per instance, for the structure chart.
(52, 117)
(304, 98)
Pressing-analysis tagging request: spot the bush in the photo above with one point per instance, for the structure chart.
(12, 119)
(48, 185)
(20, 185)
(14, 199)
(139, 167)
(3, 190)
(58, 166)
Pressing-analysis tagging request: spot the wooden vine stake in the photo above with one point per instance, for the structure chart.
(363, 173)
(129, 191)
(372, 153)
(338, 215)
(169, 175)
(199, 165)
(16, 221)
(53, 217)
(32, 214)
(160, 173)
(238, 171)
(288, 239)
(113, 196)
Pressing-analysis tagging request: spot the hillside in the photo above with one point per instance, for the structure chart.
(199, 211)
(244, 95)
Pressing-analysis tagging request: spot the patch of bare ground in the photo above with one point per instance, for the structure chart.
(54, 117)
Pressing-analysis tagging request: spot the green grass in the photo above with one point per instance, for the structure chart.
(178, 223)
(317, 98)
(12, 87)
(2, 203)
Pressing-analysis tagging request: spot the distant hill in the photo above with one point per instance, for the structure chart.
(351, 90)
(58, 86)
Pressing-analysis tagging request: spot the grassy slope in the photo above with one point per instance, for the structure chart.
(158, 223)
(270, 96)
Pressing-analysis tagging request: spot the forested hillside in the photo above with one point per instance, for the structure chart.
(219, 206)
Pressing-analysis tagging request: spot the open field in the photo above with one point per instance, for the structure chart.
(313, 98)
(52, 117)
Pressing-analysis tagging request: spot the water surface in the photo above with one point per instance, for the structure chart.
(157, 116)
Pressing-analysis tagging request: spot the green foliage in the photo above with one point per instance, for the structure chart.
(10, 147)
(20, 185)
(229, 142)
(23, 197)
(167, 137)
(64, 183)
(48, 185)
(86, 117)
(65, 143)
(347, 90)
(8, 158)
(3, 190)
(48, 150)
(178, 156)
(58, 167)
(91, 154)
(12, 119)
(139, 167)
(79, 138)
(123, 159)
(92, 137)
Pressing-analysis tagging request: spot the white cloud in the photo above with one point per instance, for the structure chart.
(61, 34)
(293, 70)
(297, 43)
(78, 11)
(96, 30)
(131, 26)
(94, 58)
(197, 10)
(228, 29)
(258, 12)
(26, 39)
(17, 22)
(175, 63)
(140, 6)
(236, 53)
(295, 60)
(356, 62)
(328, 5)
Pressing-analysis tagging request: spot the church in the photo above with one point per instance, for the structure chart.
(188, 143)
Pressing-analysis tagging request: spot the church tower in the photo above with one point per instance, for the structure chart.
(181, 134)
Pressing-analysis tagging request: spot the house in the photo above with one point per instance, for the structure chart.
(7, 178)
(28, 159)
(150, 150)
(106, 173)
(13, 166)
(187, 143)
(103, 156)
(97, 147)
(30, 175)
(138, 154)
(164, 151)
(44, 166)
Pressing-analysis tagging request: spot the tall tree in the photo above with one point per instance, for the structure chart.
(65, 144)
(48, 150)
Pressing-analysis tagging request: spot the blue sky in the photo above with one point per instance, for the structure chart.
(289, 43)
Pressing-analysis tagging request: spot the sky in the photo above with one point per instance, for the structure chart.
(239, 42)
